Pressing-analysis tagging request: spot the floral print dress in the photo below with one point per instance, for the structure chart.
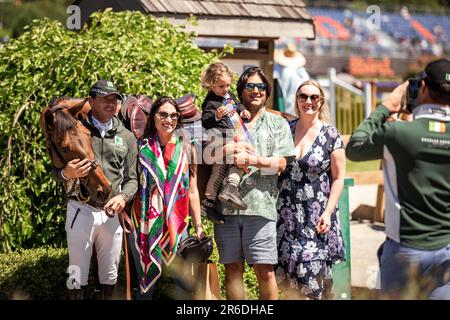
(305, 258)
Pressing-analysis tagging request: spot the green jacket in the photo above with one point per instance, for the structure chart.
(416, 165)
(116, 153)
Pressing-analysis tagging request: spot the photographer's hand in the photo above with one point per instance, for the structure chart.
(394, 100)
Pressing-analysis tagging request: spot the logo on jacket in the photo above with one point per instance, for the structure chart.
(118, 141)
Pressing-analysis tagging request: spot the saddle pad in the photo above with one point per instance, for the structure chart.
(138, 121)
(145, 103)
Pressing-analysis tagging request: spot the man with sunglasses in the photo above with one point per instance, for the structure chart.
(250, 235)
(87, 225)
(415, 258)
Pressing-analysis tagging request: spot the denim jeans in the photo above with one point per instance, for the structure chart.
(422, 273)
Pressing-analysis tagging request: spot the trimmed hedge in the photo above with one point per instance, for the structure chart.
(40, 274)
(34, 274)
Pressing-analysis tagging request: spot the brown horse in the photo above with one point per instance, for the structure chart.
(67, 139)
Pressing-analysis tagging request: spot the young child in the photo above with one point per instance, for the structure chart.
(218, 106)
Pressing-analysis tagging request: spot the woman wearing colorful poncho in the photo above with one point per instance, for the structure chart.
(167, 194)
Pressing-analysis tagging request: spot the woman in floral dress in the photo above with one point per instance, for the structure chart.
(308, 234)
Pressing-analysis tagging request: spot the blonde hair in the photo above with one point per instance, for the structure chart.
(324, 111)
(214, 72)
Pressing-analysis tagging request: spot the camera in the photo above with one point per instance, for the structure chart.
(412, 93)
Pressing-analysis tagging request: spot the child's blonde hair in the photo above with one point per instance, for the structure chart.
(214, 72)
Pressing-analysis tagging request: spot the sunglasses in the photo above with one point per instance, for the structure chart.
(304, 97)
(165, 115)
(251, 86)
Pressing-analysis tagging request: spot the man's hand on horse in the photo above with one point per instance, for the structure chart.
(114, 205)
(77, 168)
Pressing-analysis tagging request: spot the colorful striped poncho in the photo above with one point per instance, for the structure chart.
(160, 212)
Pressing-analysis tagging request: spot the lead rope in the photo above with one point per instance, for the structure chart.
(128, 228)
(127, 266)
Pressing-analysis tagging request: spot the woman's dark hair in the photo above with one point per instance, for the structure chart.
(244, 77)
(150, 127)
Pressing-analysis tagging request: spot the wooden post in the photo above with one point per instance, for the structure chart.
(373, 85)
(267, 66)
(206, 281)
(378, 213)
(332, 96)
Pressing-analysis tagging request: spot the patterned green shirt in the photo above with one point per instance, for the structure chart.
(259, 187)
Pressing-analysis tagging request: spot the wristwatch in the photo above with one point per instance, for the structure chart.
(124, 196)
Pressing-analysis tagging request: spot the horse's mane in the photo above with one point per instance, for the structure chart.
(57, 100)
(64, 121)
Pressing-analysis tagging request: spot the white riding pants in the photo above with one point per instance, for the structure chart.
(87, 226)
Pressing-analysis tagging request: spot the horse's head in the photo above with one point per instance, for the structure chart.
(68, 139)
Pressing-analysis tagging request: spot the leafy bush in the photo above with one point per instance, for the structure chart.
(33, 274)
(14, 17)
(40, 274)
(140, 53)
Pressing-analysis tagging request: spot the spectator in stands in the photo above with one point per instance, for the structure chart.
(345, 75)
(293, 73)
(414, 259)
(404, 12)
(416, 47)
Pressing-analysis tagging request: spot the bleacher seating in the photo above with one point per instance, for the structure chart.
(401, 35)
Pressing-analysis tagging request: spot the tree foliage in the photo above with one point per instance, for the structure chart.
(13, 17)
(140, 53)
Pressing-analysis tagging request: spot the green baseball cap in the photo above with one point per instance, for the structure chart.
(104, 88)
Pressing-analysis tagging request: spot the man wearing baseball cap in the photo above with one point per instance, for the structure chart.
(87, 224)
(415, 258)
(103, 88)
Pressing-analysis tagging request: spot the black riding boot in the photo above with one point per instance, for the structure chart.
(109, 292)
(76, 294)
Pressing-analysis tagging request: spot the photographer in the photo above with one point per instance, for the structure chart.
(415, 258)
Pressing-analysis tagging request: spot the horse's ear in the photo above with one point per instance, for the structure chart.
(42, 120)
(46, 120)
(80, 109)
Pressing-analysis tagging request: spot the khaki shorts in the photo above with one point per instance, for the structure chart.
(250, 238)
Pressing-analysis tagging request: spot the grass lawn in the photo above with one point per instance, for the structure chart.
(372, 165)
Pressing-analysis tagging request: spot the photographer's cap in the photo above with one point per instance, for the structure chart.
(438, 71)
(103, 88)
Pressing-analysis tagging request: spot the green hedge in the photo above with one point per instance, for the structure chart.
(33, 274)
(40, 274)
